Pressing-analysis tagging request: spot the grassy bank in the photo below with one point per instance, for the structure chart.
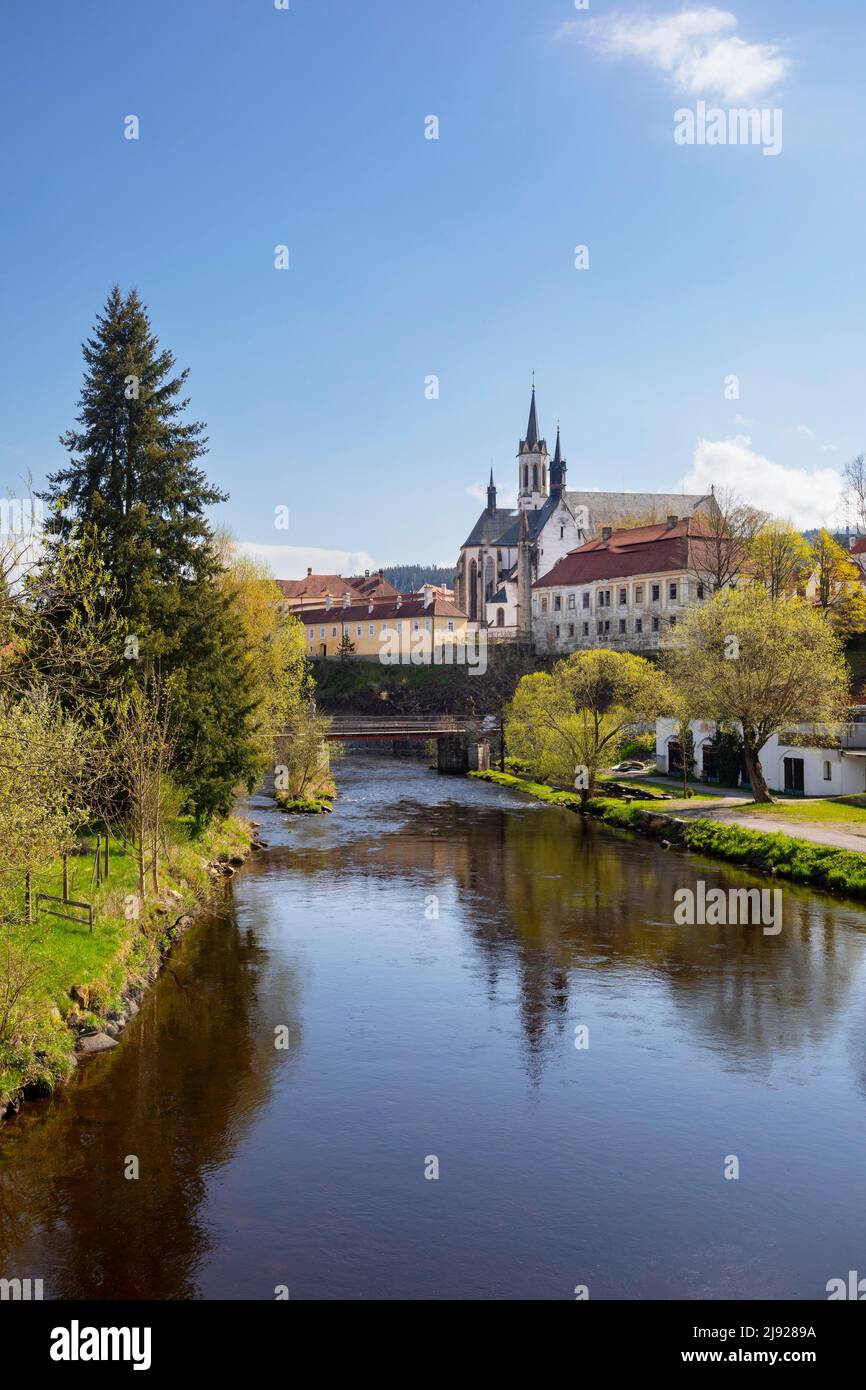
(782, 856)
(74, 982)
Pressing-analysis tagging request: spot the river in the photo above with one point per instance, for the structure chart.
(428, 953)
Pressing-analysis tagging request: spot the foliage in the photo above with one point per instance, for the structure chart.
(761, 664)
(836, 586)
(778, 554)
(578, 715)
(727, 745)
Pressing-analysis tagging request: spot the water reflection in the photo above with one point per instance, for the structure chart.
(454, 1034)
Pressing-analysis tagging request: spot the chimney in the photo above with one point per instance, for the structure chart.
(399, 601)
(366, 574)
(370, 606)
(428, 595)
(328, 600)
(347, 599)
(309, 571)
(672, 521)
(605, 534)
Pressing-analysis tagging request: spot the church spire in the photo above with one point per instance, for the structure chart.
(491, 495)
(557, 469)
(532, 427)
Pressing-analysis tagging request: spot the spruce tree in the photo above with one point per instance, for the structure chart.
(133, 475)
(132, 472)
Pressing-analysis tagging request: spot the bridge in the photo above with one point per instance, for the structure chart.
(349, 727)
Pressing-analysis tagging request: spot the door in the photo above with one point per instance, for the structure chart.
(794, 776)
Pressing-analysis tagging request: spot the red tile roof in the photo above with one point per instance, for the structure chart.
(382, 608)
(658, 549)
(315, 584)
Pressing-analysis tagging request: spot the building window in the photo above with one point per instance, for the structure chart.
(655, 624)
(562, 533)
(500, 617)
(312, 632)
(622, 624)
(638, 624)
(416, 627)
(656, 592)
(557, 629)
(544, 605)
(557, 604)
(571, 629)
(358, 630)
(674, 620)
(333, 632)
(451, 623)
(828, 772)
(638, 594)
(599, 627)
(672, 591)
(372, 630)
(586, 629)
(623, 597)
(700, 591)
(571, 600)
(586, 600)
(321, 632)
(384, 627)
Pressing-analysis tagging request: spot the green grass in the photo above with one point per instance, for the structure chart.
(121, 951)
(822, 866)
(818, 811)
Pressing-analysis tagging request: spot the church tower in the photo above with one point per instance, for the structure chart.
(557, 470)
(532, 465)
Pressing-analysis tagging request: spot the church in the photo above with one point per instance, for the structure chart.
(506, 551)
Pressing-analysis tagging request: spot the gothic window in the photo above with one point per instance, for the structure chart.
(526, 475)
(500, 617)
(535, 477)
(473, 590)
(544, 475)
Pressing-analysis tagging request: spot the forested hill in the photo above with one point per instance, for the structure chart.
(409, 578)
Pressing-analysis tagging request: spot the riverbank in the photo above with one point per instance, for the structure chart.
(826, 866)
(70, 991)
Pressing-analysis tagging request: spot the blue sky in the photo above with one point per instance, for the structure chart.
(455, 257)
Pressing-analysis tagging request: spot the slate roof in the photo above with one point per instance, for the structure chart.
(614, 508)
(489, 527)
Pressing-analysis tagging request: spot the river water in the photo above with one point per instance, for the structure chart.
(431, 949)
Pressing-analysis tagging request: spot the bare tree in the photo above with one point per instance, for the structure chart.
(729, 526)
(855, 490)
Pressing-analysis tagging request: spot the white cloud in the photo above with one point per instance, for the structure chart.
(695, 48)
(293, 561)
(808, 498)
(804, 429)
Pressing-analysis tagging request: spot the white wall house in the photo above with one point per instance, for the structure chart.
(623, 591)
(788, 766)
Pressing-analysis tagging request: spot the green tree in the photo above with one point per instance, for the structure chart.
(778, 554)
(570, 724)
(132, 472)
(763, 665)
(836, 586)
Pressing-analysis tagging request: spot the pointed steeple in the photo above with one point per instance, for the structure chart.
(557, 469)
(491, 495)
(532, 427)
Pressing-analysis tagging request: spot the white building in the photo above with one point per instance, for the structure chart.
(622, 591)
(507, 551)
(795, 761)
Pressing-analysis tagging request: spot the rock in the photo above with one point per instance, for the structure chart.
(81, 995)
(95, 1042)
(132, 1006)
(112, 1030)
(237, 859)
